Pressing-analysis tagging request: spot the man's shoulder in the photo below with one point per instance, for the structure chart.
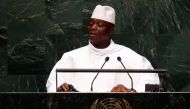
(125, 48)
(128, 51)
(139, 61)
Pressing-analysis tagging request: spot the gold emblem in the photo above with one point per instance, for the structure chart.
(110, 103)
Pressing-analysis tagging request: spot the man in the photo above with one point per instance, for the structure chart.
(93, 56)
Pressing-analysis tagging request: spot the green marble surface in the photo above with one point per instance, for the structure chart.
(34, 34)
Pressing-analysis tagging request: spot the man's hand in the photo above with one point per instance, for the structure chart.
(63, 88)
(121, 88)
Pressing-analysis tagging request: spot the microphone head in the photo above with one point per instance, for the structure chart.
(119, 58)
(106, 59)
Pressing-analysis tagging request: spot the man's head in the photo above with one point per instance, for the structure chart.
(101, 26)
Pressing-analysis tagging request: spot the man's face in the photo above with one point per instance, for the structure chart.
(99, 31)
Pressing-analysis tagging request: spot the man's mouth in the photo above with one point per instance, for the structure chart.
(91, 34)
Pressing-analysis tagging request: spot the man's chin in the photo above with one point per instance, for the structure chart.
(93, 42)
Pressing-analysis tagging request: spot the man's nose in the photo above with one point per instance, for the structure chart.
(94, 26)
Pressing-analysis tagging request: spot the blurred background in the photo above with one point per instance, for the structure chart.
(35, 33)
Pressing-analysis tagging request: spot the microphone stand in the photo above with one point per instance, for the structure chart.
(106, 59)
(119, 59)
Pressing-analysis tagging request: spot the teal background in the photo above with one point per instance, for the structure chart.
(35, 33)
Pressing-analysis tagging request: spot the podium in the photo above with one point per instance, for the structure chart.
(148, 87)
(94, 100)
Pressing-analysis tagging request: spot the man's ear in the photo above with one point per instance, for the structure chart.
(111, 30)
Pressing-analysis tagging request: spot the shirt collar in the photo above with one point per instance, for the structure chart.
(104, 51)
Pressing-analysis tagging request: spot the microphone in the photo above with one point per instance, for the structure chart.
(119, 59)
(72, 89)
(106, 60)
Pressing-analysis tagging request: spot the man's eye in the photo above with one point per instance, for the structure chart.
(101, 24)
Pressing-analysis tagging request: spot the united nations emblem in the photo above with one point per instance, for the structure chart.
(110, 103)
